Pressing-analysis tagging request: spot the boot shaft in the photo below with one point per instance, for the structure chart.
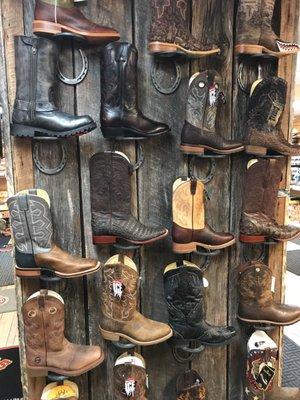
(190, 385)
(165, 19)
(249, 21)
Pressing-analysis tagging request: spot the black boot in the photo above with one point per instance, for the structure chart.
(121, 117)
(183, 282)
(34, 111)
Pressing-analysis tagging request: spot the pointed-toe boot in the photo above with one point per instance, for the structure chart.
(169, 33)
(258, 221)
(35, 113)
(52, 17)
(189, 227)
(184, 294)
(66, 390)
(256, 297)
(279, 393)
(255, 34)
(112, 219)
(47, 349)
(121, 117)
(199, 130)
(263, 131)
(33, 239)
(190, 386)
(130, 377)
(119, 297)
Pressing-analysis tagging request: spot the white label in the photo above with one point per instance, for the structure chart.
(118, 289)
(130, 387)
(205, 282)
(273, 284)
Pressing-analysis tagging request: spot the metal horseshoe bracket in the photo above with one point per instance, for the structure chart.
(210, 173)
(56, 378)
(155, 75)
(186, 352)
(140, 155)
(122, 346)
(248, 251)
(43, 168)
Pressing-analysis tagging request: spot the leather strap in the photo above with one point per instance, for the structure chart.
(39, 106)
(121, 258)
(193, 186)
(180, 264)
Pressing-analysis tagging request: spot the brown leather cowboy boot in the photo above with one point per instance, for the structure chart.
(57, 16)
(189, 227)
(255, 34)
(256, 298)
(190, 386)
(119, 296)
(130, 377)
(199, 130)
(66, 390)
(47, 349)
(33, 236)
(283, 394)
(258, 221)
(169, 34)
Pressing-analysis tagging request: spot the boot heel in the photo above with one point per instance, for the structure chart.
(111, 336)
(46, 27)
(159, 47)
(21, 130)
(248, 49)
(252, 239)
(104, 239)
(36, 372)
(184, 248)
(191, 149)
(256, 150)
(28, 273)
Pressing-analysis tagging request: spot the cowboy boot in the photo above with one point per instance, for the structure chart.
(258, 221)
(189, 227)
(52, 17)
(65, 390)
(255, 34)
(263, 130)
(256, 298)
(184, 294)
(33, 236)
(111, 202)
(35, 113)
(47, 349)
(199, 130)
(169, 34)
(130, 377)
(283, 394)
(119, 297)
(190, 386)
(121, 117)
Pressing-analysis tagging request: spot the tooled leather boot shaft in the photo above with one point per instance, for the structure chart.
(249, 21)
(162, 23)
(272, 182)
(254, 186)
(130, 381)
(54, 323)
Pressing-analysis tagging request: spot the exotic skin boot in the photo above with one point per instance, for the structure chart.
(65, 390)
(33, 231)
(256, 298)
(258, 221)
(190, 386)
(111, 202)
(184, 293)
(35, 113)
(130, 377)
(199, 130)
(47, 349)
(121, 117)
(169, 33)
(263, 127)
(56, 16)
(189, 227)
(255, 34)
(119, 297)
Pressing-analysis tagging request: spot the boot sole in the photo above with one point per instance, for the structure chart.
(116, 337)
(253, 321)
(172, 48)
(106, 240)
(20, 130)
(191, 247)
(194, 149)
(50, 28)
(127, 134)
(262, 239)
(256, 49)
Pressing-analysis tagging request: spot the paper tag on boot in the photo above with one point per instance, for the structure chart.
(205, 282)
(273, 284)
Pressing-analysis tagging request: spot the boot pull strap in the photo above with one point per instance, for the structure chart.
(193, 186)
(121, 258)
(42, 298)
(179, 264)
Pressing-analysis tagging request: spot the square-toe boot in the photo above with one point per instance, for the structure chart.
(189, 227)
(199, 130)
(112, 220)
(130, 377)
(283, 394)
(35, 251)
(184, 294)
(119, 301)
(52, 17)
(47, 349)
(263, 126)
(35, 113)
(256, 303)
(258, 220)
(255, 34)
(190, 386)
(169, 34)
(66, 390)
(121, 117)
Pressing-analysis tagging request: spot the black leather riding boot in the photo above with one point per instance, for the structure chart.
(121, 117)
(184, 293)
(35, 114)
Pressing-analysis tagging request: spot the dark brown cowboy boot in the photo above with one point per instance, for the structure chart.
(189, 227)
(119, 296)
(169, 34)
(199, 130)
(255, 34)
(47, 349)
(33, 236)
(258, 220)
(190, 386)
(66, 390)
(56, 16)
(130, 377)
(256, 298)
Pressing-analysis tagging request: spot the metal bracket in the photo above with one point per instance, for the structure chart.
(46, 170)
(56, 378)
(248, 256)
(122, 346)
(140, 155)
(155, 75)
(210, 174)
(185, 352)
